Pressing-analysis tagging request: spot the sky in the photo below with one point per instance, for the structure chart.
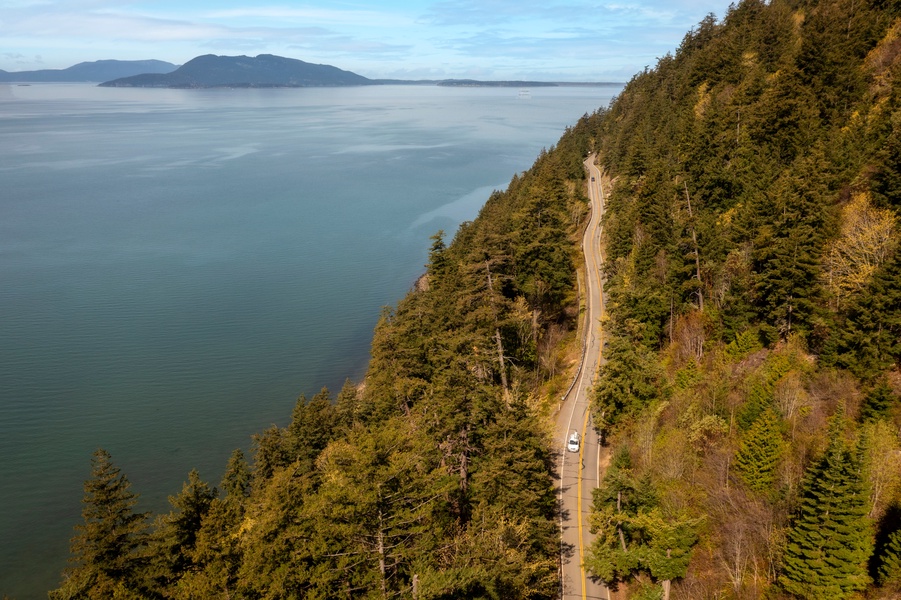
(541, 40)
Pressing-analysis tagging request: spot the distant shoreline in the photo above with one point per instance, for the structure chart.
(374, 82)
(468, 83)
(262, 71)
(477, 83)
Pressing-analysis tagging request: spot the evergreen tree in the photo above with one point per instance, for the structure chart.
(627, 383)
(789, 247)
(236, 480)
(379, 509)
(278, 542)
(312, 427)
(513, 470)
(890, 561)
(648, 541)
(887, 178)
(871, 340)
(493, 558)
(760, 451)
(878, 402)
(667, 551)
(217, 554)
(830, 539)
(176, 534)
(634, 534)
(270, 452)
(349, 408)
(107, 552)
(437, 257)
(620, 497)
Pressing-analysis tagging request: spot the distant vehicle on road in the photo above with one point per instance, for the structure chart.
(592, 178)
(573, 444)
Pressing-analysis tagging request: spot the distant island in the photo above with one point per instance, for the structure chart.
(524, 84)
(270, 71)
(477, 83)
(99, 70)
(265, 70)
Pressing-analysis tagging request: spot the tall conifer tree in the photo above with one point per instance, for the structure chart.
(176, 534)
(890, 561)
(830, 540)
(106, 552)
(871, 341)
(760, 452)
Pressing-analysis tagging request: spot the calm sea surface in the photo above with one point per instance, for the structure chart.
(177, 266)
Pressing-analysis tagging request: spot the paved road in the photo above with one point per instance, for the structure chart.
(579, 472)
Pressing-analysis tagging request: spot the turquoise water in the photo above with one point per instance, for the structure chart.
(177, 266)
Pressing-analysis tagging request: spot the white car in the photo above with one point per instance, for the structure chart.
(573, 444)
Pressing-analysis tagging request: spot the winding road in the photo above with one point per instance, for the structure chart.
(579, 472)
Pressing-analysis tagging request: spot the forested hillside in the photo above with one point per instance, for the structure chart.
(751, 393)
(432, 479)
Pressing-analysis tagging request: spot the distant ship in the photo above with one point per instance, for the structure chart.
(526, 94)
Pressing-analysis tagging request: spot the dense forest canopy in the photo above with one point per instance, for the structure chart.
(750, 394)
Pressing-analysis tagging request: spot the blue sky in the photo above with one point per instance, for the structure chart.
(575, 40)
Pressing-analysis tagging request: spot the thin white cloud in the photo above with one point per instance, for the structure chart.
(492, 12)
(369, 18)
(574, 39)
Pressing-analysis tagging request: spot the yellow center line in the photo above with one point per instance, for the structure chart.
(593, 242)
(579, 505)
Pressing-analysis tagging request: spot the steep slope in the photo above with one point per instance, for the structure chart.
(753, 270)
(265, 70)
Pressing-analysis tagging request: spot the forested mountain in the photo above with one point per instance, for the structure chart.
(751, 393)
(265, 70)
(433, 477)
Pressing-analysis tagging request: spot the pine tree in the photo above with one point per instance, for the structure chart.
(378, 510)
(627, 383)
(349, 408)
(871, 340)
(887, 178)
(761, 450)
(176, 534)
(107, 550)
(236, 481)
(634, 534)
(830, 540)
(667, 551)
(437, 257)
(878, 402)
(890, 561)
(217, 553)
(786, 257)
(312, 427)
(512, 470)
(279, 545)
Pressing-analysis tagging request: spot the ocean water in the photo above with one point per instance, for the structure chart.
(177, 266)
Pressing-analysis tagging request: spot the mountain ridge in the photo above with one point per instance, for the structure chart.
(98, 70)
(295, 73)
(263, 70)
